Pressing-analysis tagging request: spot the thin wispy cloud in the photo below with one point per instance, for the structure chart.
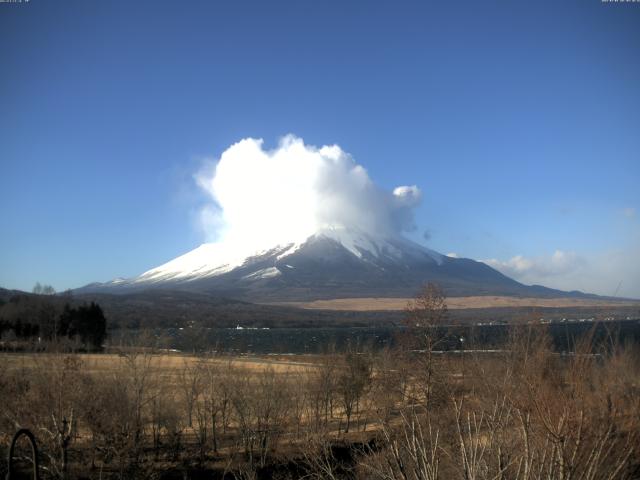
(599, 273)
(524, 268)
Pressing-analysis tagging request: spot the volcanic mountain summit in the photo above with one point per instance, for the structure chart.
(332, 263)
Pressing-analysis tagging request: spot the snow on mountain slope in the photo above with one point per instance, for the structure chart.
(214, 259)
(209, 259)
(361, 244)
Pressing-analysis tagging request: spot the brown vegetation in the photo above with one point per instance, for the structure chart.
(459, 303)
(523, 414)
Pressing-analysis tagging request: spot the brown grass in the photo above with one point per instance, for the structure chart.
(457, 303)
(472, 416)
(164, 363)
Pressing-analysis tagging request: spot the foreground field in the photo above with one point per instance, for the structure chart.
(523, 412)
(166, 364)
(457, 303)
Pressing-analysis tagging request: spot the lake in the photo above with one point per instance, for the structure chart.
(319, 340)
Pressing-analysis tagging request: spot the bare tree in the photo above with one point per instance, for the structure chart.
(214, 397)
(190, 384)
(39, 289)
(413, 450)
(321, 390)
(353, 381)
(56, 384)
(424, 314)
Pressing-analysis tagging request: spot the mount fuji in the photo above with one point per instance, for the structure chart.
(334, 262)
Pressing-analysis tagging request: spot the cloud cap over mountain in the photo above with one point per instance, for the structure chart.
(269, 197)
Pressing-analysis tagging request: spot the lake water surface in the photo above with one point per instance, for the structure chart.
(319, 340)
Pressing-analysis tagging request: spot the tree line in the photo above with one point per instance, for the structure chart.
(45, 317)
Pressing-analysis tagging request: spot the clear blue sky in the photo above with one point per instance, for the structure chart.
(520, 121)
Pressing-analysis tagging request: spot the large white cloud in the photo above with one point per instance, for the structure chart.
(261, 197)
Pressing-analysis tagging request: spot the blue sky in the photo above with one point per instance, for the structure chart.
(519, 121)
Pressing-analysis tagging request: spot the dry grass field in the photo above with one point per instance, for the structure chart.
(455, 303)
(165, 363)
(521, 413)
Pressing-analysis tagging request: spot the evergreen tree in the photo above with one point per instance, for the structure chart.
(87, 322)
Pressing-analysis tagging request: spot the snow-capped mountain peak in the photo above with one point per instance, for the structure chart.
(363, 244)
(332, 262)
(215, 259)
